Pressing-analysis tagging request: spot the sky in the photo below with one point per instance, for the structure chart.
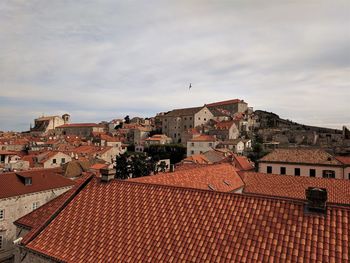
(103, 59)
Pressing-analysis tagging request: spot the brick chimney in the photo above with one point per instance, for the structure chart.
(107, 174)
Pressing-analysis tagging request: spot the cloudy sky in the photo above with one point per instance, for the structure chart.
(102, 59)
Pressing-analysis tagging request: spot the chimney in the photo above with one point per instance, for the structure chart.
(316, 200)
(107, 174)
(172, 168)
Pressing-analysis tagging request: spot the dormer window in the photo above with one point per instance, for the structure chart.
(28, 181)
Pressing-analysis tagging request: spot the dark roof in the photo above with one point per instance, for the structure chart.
(124, 221)
(295, 186)
(12, 184)
(183, 112)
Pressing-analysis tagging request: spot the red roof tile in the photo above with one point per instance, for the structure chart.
(225, 102)
(217, 177)
(295, 186)
(124, 221)
(343, 159)
(11, 184)
(40, 215)
(203, 138)
(243, 163)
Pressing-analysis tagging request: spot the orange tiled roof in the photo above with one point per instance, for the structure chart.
(198, 159)
(294, 186)
(224, 125)
(243, 163)
(42, 180)
(217, 177)
(301, 155)
(98, 166)
(225, 102)
(124, 221)
(203, 138)
(40, 215)
(343, 159)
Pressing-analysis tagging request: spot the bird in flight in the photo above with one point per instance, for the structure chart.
(190, 86)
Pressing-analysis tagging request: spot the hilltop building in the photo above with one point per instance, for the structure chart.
(47, 124)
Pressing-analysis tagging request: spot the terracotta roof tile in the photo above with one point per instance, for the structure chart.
(124, 221)
(40, 215)
(11, 183)
(218, 177)
(294, 186)
(343, 159)
(203, 138)
(225, 102)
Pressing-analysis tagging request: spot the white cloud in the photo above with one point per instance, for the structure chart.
(106, 59)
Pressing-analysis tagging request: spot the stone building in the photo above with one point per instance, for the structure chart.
(79, 129)
(201, 144)
(21, 193)
(177, 121)
(230, 106)
(303, 162)
(45, 124)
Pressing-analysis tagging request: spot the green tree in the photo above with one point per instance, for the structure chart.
(122, 166)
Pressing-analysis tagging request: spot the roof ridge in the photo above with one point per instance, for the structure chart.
(41, 227)
(251, 195)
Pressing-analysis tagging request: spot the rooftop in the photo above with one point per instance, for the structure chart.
(203, 138)
(183, 112)
(225, 102)
(294, 186)
(217, 177)
(129, 221)
(11, 184)
(80, 125)
(301, 155)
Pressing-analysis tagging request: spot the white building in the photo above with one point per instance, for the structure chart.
(201, 144)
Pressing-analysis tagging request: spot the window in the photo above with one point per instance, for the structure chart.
(2, 214)
(312, 173)
(174, 135)
(205, 119)
(185, 126)
(54, 161)
(297, 171)
(1, 242)
(190, 126)
(269, 169)
(190, 118)
(35, 205)
(283, 170)
(165, 127)
(165, 120)
(210, 144)
(328, 174)
(192, 152)
(199, 118)
(63, 160)
(185, 118)
(192, 144)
